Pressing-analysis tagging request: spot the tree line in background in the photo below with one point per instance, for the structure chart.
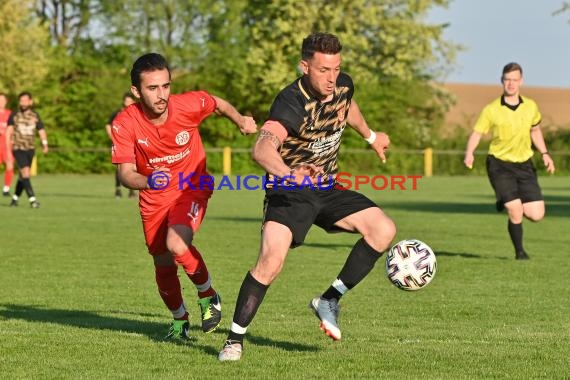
(75, 56)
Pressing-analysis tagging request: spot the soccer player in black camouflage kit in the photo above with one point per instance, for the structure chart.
(299, 144)
(21, 139)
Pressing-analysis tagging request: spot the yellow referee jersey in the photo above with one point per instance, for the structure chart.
(510, 127)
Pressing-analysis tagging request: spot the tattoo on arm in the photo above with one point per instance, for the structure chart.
(264, 134)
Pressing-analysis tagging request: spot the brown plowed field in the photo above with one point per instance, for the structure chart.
(554, 104)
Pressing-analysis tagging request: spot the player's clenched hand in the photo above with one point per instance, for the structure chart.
(247, 125)
(381, 145)
(305, 170)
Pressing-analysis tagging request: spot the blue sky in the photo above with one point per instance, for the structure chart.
(495, 32)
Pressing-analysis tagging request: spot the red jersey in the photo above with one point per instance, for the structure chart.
(4, 116)
(176, 145)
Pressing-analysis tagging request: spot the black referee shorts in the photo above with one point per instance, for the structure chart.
(300, 208)
(513, 180)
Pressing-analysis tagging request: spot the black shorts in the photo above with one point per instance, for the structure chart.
(513, 180)
(24, 158)
(299, 209)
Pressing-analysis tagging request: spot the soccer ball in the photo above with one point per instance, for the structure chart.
(410, 264)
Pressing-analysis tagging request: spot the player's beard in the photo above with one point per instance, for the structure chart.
(321, 90)
(329, 90)
(160, 107)
(156, 109)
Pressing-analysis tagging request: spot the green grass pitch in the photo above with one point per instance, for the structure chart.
(78, 298)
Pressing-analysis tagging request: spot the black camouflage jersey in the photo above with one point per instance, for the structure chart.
(25, 125)
(314, 128)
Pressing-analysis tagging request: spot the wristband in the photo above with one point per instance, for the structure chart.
(543, 153)
(44, 142)
(372, 137)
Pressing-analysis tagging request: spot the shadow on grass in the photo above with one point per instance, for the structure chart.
(329, 245)
(80, 195)
(153, 330)
(267, 342)
(241, 219)
(441, 207)
(465, 255)
(458, 254)
(555, 206)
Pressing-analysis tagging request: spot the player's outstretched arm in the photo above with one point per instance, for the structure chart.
(379, 141)
(246, 124)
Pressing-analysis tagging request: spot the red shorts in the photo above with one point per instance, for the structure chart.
(189, 210)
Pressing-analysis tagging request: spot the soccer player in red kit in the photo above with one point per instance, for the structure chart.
(5, 153)
(158, 150)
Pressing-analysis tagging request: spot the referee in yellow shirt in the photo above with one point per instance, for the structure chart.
(514, 122)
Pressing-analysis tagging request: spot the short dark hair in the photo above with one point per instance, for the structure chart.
(25, 93)
(510, 67)
(325, 43)
(147, 62)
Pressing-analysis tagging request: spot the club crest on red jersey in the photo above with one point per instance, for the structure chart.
(182, 138)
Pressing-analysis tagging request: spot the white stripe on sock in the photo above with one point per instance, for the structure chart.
(340, 286)
(238, 329)
(205, 286)
(179, 313)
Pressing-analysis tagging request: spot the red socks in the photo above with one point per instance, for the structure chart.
(195, 268)
(8, 176)
(169, 284)
(170, 291)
